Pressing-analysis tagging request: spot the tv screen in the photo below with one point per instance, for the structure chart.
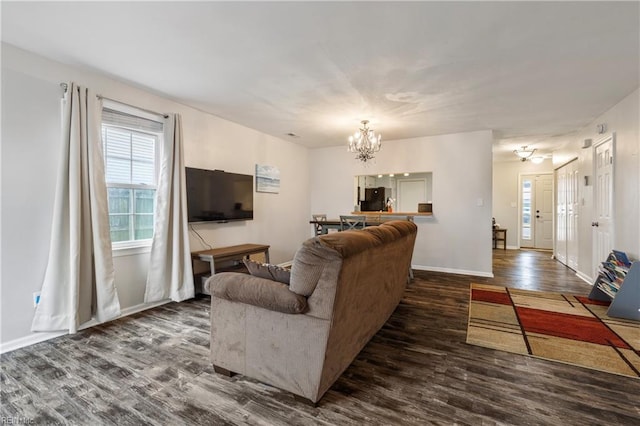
(217, 196)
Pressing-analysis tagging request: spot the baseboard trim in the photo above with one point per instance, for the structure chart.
(584, 277)
(29, 340)
(453, 271)
(38, 337)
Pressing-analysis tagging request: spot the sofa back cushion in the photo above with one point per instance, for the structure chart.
(309, 263)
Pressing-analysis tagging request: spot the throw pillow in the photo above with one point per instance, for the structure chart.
(268, 271)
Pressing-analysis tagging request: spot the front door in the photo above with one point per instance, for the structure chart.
(536, 211)
(602, 223)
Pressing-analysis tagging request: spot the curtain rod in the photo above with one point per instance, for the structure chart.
(65, 87)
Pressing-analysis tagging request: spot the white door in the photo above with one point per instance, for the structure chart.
(572, 215)
(536, 213)
(561, 215)
(410, 193)
(602, 223)
(567, 214)
(544, 212)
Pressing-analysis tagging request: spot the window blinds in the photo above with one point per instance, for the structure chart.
(129, 121)
(129, 148)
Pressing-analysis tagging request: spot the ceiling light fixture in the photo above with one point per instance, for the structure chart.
(524, 153)
(364, 142)
(537, 160)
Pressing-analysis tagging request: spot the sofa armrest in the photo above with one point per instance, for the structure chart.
(261, 292)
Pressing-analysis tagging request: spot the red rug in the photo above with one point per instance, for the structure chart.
(565, 328)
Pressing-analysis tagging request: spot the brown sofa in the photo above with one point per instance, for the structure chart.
(301, 337)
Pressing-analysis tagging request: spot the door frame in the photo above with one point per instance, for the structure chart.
(519, 204)
(610, 137)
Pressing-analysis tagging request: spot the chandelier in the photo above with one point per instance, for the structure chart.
(364, 142)
(524, 153)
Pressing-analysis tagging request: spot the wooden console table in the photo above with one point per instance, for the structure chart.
(225, 254)
(499, 234)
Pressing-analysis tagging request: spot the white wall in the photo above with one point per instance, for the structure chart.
(623, 119)
(505, 193)
(458, 236)
(31, 149)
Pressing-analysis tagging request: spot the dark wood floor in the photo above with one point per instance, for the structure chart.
(152, 368)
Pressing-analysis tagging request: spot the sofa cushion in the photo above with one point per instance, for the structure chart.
(268, 271)
(257, 291)
(308, 266)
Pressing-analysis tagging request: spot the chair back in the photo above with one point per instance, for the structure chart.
(348, 222)
(318, 228)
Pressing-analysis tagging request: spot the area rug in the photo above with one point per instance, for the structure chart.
(566, 328)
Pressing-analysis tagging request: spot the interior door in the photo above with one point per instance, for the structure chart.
(536, 211)
(602, 224)
(572, 215)
(561, 215)
(544, 212)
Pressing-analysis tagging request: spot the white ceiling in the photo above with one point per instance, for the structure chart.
(526, 70)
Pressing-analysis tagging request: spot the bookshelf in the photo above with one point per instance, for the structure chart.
(618, 281)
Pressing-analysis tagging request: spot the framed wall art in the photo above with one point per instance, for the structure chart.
(267, 179)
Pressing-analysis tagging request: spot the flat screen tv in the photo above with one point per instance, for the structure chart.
(217, 196)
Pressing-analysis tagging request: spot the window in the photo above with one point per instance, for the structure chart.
(526, 209)
(130, 144)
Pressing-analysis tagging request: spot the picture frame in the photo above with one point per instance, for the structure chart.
(267, 179)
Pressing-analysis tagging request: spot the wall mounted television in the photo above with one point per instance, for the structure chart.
(218, 196)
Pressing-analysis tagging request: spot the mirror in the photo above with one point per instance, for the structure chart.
(397, 192)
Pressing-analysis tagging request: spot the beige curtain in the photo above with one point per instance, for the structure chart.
(170, 274)
(79, 279)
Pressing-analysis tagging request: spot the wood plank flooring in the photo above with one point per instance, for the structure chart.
(152, 368)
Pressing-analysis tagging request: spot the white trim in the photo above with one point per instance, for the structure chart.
(131, 248)
(452, 271)
(584, 277)
(29, 340)
(38, 337)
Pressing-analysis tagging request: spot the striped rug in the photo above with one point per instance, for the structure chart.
(559, 327)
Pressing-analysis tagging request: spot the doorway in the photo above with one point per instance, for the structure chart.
(603, 192)
(536, 211)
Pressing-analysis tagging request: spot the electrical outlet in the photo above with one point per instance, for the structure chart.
(36, 298)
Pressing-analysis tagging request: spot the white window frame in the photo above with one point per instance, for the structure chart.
(135, 246)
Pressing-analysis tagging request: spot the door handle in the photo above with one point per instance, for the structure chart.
(595, 224)
(537, 216)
